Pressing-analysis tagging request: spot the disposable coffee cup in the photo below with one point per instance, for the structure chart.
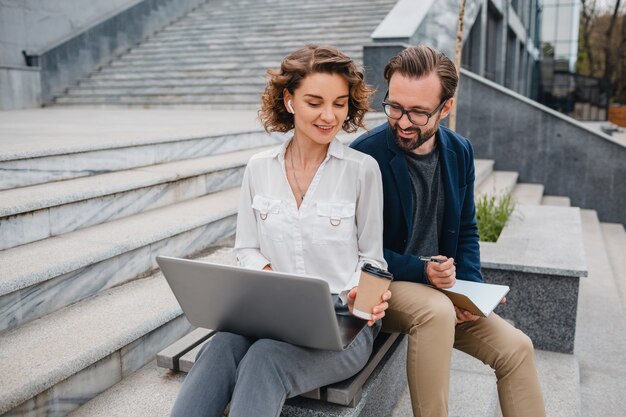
(372, 285)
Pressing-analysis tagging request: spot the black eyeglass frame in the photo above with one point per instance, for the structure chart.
(407, 112)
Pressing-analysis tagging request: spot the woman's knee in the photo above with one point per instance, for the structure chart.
(262, 354)
(225, 344)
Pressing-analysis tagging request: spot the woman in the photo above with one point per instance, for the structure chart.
(311, 206)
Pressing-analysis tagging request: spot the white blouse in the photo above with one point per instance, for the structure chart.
(337, 229)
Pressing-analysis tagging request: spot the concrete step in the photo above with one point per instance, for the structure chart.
(482, 170)
(198, 60)
(129, 140)
(180, 73)
(553, 200)
(259, 65)
(207, 57)
(289, 17)
(228, 10)
(615, 242)
(160, 89)
(202, 44)
(151, 105)
(41, 277)
(524, 193)
(479, 401)
(149, 392)
(96, 83)
(559, 376)
(37, 212)
(259, 47)
(498, 183)
(302, 30)
(218, 100)
(53, 365)
(220, 40)
(601, 329)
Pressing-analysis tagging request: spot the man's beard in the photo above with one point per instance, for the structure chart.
(409, 145)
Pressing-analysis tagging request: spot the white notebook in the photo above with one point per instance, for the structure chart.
(478, 298)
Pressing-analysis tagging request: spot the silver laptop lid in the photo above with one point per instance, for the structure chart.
(260, 304)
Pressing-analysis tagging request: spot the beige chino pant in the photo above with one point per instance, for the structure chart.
(428, 317)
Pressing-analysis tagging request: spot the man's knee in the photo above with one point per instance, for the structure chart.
(519, 350)
(419, 305)
(437, 309)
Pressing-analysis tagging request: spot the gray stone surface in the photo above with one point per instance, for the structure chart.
(553, 200)
(28, 158)
(72, 268)
(497, 184)
(80, 336)
(20, 86)
(559, 376)
(36, 24)
(66, 62)
(232, 40)
(615, 241)
(601, 333)
(482, 170)
(56, 208)
(57, 131)
(380, 393)
(542, 306)
(544, 147)
(539, 239)
(524, 193)
(82, 248)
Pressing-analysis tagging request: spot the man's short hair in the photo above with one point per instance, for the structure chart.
(419, 61)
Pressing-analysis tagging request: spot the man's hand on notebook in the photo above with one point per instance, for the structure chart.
(378, 311)
(464, 315)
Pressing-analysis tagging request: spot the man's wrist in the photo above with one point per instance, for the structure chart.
(428, 281)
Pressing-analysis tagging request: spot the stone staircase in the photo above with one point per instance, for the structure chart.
(82, 303)
(84, 311)
(217, 55)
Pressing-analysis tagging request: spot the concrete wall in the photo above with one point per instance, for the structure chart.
(35, 25)
(20, 87)
(85, 39)
(544, 147)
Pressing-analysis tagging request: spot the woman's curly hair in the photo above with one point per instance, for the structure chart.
(294, 68)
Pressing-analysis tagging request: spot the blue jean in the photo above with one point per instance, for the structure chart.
(256, 376)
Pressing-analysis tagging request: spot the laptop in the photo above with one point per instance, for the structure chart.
(259, 304)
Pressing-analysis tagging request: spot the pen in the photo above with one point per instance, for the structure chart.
(432, 259)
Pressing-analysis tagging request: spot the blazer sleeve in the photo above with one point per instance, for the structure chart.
(405, 267)
(468, 249)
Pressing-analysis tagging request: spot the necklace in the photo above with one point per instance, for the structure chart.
(293, 172)
(293, 169)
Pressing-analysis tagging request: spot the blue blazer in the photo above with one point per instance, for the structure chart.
(459, 233)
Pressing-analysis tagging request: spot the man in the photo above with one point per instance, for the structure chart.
(428, 183)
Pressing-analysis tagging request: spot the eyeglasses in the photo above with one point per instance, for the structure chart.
(418, 118)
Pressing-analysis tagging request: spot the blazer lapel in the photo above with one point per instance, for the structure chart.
(400, 172)
(450, 178)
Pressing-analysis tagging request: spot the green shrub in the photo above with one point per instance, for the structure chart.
(492, 214)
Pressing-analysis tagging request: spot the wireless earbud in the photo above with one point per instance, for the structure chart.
(289, 107)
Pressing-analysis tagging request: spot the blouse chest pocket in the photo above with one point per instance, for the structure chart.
(334, 223)
(269, 216)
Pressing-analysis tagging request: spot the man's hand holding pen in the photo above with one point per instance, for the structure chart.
(440, 271)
